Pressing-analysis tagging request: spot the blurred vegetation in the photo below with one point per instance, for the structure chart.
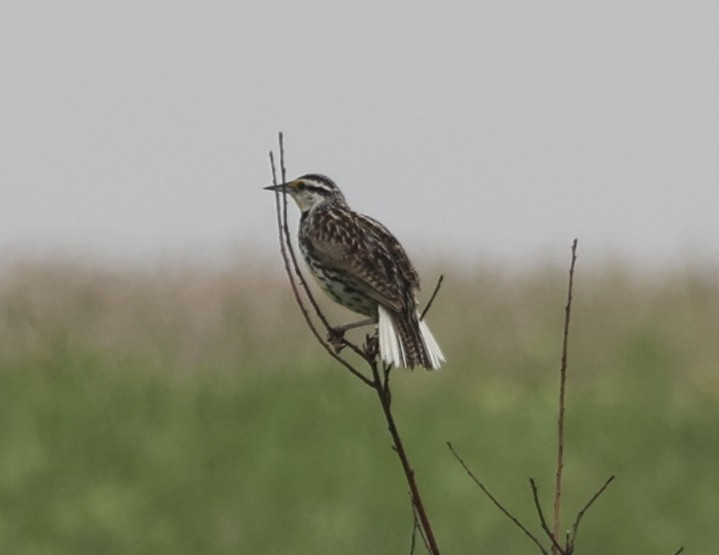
(180, 409)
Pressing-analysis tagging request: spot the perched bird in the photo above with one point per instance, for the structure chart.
(363, 267)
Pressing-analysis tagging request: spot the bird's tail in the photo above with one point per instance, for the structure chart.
(405, 340)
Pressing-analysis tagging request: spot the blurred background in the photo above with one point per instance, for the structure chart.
(158, 390)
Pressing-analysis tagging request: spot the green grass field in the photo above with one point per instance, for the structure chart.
(182, 410)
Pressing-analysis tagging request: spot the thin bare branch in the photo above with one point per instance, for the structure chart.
(535, 494)
(283, 172)
(496, 501)
(398, 446)
(562, 388)
(285, 248)
(289, 249)
(431, 298)
(580, 514)
(416, 527)
(387, 369)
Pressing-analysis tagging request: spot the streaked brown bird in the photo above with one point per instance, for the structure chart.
(362, 266)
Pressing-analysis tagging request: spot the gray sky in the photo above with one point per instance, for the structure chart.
(472, 129)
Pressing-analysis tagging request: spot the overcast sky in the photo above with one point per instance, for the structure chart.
(471, 129)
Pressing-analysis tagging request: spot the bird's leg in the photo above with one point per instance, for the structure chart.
(336, 336)
(371, 345)
(352, 325)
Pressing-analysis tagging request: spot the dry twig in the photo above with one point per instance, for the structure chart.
(290, 262)
(494, 500)
(575, 527)
(432, 296)
(537, 505)
(553, 534)
(562, 386)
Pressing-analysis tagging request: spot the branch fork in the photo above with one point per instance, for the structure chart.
(557, 545)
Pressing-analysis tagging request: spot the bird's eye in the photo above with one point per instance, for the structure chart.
(301, 186)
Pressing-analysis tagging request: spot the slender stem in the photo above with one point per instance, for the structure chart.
(497, 503)
(431, 298)
(289, 251)
(560, 418)
(289, 260)
(385, 401)
(580, 514)
(416, 528)
(552, 537)
(285, 232)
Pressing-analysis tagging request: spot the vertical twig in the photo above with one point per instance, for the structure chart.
(286, 243)
(384, 396)
(560, 418)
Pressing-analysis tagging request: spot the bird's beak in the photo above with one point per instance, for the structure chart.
(281, 188)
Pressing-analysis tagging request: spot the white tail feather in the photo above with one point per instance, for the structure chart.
(430, 343)
(390, 346)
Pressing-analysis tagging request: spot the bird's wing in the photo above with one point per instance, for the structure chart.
(363, 248)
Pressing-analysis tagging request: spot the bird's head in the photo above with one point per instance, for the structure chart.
(310, 191)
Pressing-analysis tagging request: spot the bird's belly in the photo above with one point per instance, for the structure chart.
(342, 289)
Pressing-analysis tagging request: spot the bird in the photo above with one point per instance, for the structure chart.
(359, 264)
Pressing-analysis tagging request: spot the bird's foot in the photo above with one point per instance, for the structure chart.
(336, 338)
(371, 346)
